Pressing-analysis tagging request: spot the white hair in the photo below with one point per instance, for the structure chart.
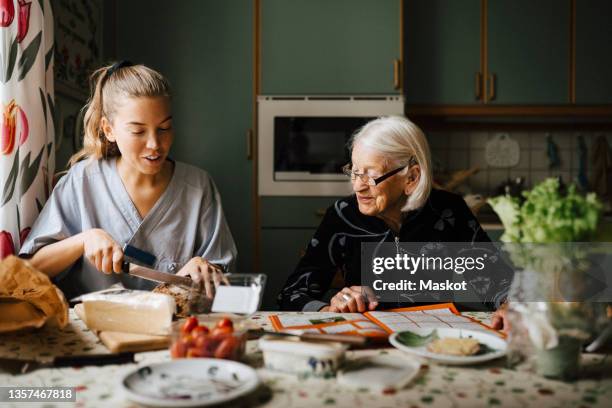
(400, 141)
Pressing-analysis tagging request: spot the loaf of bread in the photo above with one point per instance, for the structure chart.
(180, 295)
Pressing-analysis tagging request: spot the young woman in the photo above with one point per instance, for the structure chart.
(122, 188)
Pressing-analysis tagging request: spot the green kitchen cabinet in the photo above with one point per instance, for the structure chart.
(281, 250)
(329, 46)
(441, 51)
(472, 52)
(528, 52)
(287, 225)
(593, 56)
(205, 49)
(294, 212)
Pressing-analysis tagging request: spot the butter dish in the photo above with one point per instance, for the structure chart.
(306, 359)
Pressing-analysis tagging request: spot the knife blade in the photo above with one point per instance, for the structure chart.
(354, 340)
(16, 366)
(138, 263)
(155, 275)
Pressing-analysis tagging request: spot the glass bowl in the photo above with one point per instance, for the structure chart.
(209, 336)
(241, 294)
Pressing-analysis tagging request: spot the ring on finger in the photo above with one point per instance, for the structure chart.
(346, 297)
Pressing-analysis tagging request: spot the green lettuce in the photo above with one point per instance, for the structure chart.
(547, 215)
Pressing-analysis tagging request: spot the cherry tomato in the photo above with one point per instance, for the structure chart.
(227, 348)
(199, 331)
(189, 324)
(206, 345)
(202, 342)
(221, 331)
(194, 352)
(178, 349)
(187, 340)
(225, 322)
(206, 342)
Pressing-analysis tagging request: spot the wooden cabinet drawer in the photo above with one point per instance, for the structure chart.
(281, 250)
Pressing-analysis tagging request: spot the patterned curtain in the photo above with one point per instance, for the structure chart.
(27, 154)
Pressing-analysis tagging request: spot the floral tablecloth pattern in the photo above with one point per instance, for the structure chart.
(488, 385)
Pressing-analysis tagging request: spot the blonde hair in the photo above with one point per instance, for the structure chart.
(403, 144)
(108, 84)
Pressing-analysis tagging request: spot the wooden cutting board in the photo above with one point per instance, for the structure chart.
(117, 342)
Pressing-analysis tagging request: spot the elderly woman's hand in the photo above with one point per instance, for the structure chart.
(499, 321)
(353, 299)
(207, 274)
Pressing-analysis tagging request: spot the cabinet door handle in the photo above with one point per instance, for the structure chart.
(249, 144)
(396, 74)
(491, 87)
(478, 85)
(320, 212)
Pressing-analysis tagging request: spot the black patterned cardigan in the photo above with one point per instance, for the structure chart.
(336, 246)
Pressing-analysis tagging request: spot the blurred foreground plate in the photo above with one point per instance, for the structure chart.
(189, 382)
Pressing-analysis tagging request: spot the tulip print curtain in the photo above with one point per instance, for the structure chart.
(27, 154)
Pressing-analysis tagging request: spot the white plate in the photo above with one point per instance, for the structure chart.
(489, 339)
(379, 373)
(189, 382)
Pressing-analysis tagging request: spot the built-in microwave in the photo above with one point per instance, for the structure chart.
(302, 140)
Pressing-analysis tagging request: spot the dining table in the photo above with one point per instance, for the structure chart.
(490, 384)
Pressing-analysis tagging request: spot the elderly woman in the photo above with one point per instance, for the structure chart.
(393, 201)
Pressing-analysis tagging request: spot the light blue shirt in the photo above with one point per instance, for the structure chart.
(186, 221)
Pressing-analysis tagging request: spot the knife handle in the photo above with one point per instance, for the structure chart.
(138, 256)
(93, 359)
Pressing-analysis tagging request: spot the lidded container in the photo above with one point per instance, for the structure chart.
(307, 359)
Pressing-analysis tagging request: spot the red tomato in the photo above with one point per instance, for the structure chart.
(202, 342)
(227, 348)
(194, 352)
(225, 322)
(187, 340)
(206, 345)
(178, 350)
(221, 331)
(190, 324)
(205, 342)
(199, 330)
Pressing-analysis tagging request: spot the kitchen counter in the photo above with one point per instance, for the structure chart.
(436, 386)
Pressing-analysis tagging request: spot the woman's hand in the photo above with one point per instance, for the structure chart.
(353, 299)
(499, 321)
(205, 273)
(102, 251)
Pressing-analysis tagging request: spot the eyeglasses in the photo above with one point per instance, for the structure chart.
(367, 179)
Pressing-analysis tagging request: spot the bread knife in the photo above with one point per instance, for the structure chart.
(155, 275)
